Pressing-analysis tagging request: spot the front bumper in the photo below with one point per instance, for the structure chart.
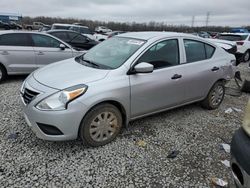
(240, 155)
(67, 121)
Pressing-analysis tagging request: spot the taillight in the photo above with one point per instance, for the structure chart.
(240, 43)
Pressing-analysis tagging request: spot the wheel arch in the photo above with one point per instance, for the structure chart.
(117, 104)
(3, 66)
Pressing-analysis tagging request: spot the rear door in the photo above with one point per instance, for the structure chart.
(17, 53)
(47, 50)
(200, 69)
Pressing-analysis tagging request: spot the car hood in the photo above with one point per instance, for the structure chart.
(68, 73)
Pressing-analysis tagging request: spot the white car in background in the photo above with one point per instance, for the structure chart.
(102, 29)
(243, 44)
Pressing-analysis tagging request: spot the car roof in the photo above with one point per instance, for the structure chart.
(18, 31)
(60, 24)
(150, 35)
(235, 33)
(61, 30)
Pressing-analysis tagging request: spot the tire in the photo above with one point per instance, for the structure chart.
(214, 97)
(246, 86)
(101, 120)
(3, 73)
(246, 56)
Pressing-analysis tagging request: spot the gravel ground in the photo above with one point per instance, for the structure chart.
(27, 161)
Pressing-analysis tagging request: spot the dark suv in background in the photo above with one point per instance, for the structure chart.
(75, 39)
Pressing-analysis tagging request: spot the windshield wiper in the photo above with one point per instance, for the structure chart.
(92, 63)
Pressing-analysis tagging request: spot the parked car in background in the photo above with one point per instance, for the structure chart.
(102, 29)
(14, 25)
(104, 36)
(229, 46)
(60, 26)
(83, 30)
(75, 39)
(34, 26)
(239, 30)
(121, 79)
(240, 153)
(22, 52)
(45, 28)
(4, 25)
(243, 44)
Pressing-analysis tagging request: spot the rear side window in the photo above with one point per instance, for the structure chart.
(197, 51)
(14, 39)
(45, 41)
(61, 35)
(163, 54)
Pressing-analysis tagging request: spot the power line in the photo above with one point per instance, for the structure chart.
(207, 19)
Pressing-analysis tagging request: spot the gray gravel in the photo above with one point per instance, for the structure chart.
(30, 162)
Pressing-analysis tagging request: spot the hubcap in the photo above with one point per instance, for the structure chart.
(217, 95)
(103, 126)
(246, 58)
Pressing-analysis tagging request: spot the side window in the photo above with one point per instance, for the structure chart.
(45, 41)
(209, 51)
(14, 39)
(163, 54)
(79, 39)
(61, 35)
(197, 51)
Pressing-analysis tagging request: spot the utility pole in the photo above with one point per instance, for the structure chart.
(193, 18)
(207, 19)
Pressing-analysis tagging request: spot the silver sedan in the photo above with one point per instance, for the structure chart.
(124, 78)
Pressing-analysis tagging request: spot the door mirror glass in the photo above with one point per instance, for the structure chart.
(144, 67)
(62, 46)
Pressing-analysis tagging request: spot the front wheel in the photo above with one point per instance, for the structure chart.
(101, 125)
(214, 97)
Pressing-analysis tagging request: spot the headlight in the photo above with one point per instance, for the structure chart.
(61, 99)
(246, 120)
(22, 87)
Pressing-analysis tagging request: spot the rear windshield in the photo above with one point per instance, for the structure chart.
(233, 37)
(60, 27)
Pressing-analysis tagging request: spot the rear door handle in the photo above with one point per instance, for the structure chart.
(176, 76)
(40, 53)
(215, 68)
(5, 53)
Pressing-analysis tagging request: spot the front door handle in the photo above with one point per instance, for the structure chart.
(215, 68)
(5, 53)
(40, 53)
(176, 76)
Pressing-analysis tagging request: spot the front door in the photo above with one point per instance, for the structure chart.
(163, 88)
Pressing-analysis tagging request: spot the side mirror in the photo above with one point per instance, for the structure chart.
(62, 46)
(144, 68)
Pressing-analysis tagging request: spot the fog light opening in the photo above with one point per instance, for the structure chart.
(237, 172)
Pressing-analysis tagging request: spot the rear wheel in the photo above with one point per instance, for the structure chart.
(3, 73)
(101, 125)
(214, 97)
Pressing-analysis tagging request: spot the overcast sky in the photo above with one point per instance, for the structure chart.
(222, 12)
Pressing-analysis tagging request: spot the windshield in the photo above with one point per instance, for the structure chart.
(113, 52)
(233, 37)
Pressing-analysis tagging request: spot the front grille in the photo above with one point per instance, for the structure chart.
(29, 95)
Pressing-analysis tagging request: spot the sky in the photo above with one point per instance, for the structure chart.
(176, 12)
